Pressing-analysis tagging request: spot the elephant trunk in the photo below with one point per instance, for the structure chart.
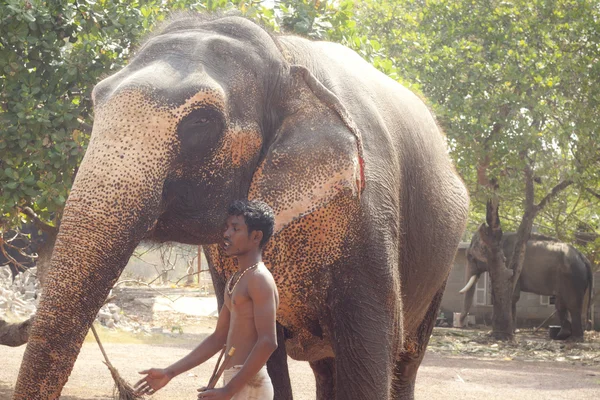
(108, 212)
(469, 284)
(469, 290)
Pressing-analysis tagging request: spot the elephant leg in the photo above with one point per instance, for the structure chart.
(563, 315)
(574, 305)
(324, 371)
(366, 343)
(405, 372)
(278, 369)
(515, 299)
(362, 364)
(576, 326)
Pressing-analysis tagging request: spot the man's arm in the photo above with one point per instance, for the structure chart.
(206, 349)
(156, 378)
(263, 292)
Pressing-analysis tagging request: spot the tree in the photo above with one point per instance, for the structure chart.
(51, 55)
(514, 86)
(510, 95)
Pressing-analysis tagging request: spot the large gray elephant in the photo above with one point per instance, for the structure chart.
(550, 268)
(369, 210)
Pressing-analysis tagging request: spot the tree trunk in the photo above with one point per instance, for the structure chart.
(44, 257)
(46, 249)
(14, 335)
(502, 317)
(502, 289)
(505, 273)
(518, 255)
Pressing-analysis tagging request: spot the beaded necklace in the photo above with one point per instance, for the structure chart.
(231, 289)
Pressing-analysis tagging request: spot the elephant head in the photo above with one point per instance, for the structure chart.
(207, 111)
(476, 265)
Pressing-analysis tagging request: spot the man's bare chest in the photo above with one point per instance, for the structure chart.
(239, 303)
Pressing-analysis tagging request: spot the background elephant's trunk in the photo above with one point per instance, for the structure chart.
(469, 289)
(469, 284)
(113, 204)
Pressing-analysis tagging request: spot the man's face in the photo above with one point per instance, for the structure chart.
(236, 240)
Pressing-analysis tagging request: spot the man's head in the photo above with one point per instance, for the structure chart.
(249, 226)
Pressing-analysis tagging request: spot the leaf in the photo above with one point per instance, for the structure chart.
(28, 17)
(10, 173)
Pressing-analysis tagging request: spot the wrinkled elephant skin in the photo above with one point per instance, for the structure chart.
(369, 209)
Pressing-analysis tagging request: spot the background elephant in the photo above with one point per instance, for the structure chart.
(369, 210)
(550, 268)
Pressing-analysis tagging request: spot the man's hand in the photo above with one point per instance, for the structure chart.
(214, 394)
(154, 380)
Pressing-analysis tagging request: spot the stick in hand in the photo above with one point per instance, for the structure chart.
(212, 377)
(219, 371)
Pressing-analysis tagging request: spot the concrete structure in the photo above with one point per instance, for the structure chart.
(532, 309)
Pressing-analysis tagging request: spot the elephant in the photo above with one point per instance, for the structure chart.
(550, 268)
(369, 209)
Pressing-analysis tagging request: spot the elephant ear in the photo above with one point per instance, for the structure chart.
(316, 154)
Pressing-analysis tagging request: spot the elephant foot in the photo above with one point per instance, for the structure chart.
(575, 339)
(563, 335)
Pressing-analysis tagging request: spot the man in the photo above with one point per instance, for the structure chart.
(247, 318)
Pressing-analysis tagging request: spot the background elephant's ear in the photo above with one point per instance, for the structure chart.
(316, 154)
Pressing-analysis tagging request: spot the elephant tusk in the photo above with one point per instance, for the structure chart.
(469, 284)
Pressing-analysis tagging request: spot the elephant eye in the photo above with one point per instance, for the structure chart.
(201, 126)
(202, 121)
(202, 118)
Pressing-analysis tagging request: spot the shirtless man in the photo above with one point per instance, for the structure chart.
(246, 320)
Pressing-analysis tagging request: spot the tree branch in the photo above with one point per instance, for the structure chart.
(593, 193)
(524, 231)
(87, 128)
(529, 189)
(41, 225)
(555, 190)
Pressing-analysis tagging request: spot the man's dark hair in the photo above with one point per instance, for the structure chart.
(258, 216)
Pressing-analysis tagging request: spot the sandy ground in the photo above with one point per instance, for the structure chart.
(440, 377)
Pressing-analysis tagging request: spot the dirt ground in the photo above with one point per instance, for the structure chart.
(459, 365)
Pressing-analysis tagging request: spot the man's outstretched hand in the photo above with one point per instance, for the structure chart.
(154, 380)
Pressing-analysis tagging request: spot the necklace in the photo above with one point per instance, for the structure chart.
(231, 289)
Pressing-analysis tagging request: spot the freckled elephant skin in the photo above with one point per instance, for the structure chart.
(369, 210)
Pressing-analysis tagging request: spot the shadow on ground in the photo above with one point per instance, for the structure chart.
(6, 392)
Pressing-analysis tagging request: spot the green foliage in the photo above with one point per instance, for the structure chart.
(320, 20)
(513, 84)
(51, 55)
(506, 79)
